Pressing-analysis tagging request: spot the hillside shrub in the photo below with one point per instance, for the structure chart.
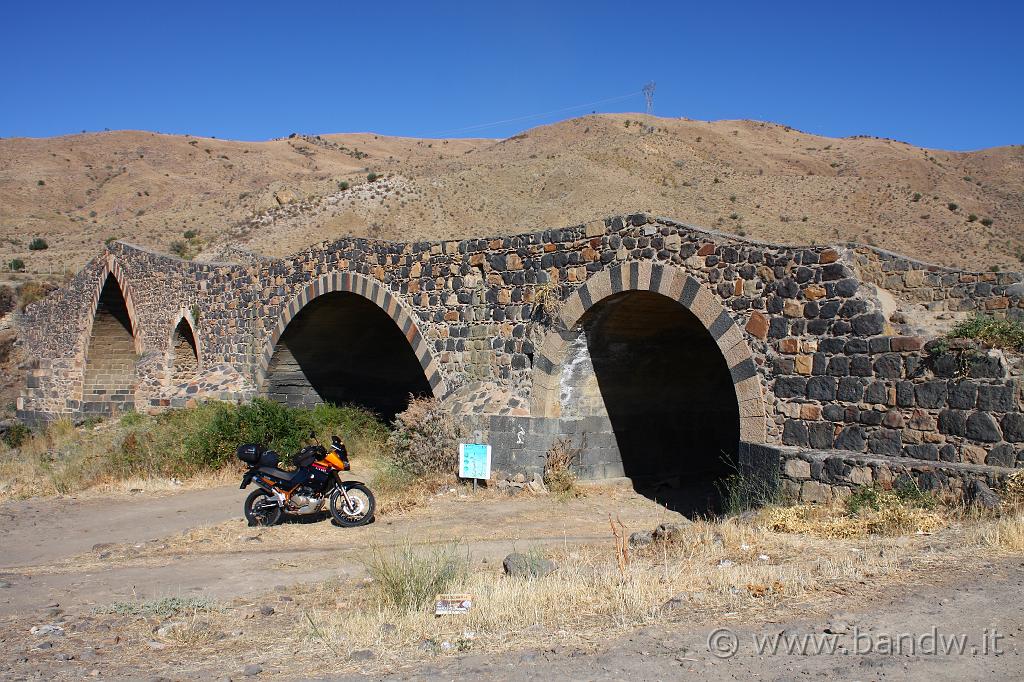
(425, 439)
(38, 244)
(1007, 334)
(16, 264)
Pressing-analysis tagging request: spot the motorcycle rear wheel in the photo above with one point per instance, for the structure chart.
(261, 509)
(359, 510)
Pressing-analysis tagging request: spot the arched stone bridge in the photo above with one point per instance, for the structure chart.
(659, 349)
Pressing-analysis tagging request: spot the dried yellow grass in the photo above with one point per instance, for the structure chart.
(1005, 534)
(712, 568)
(835, 522)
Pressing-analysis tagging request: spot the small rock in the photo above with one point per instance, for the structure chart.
(725, 563)
(266, 610)
(45, 645)
(285, 597)
(667, 532)
(63, 657)
(982, 496)
(153, 644)
(519, 478)
(252, 670)
(524, 566)
(837, 627)
(362, 655)
(167, 629)
(640, 538)
(47, 630)
(388, 629)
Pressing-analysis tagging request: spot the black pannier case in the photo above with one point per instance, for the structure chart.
(250, 453)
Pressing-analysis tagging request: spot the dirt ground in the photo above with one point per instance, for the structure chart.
(65, 562)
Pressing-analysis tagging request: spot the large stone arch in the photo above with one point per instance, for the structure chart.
(371, 290)
(677, 285)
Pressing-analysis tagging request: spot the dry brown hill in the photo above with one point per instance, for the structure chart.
(760, 179)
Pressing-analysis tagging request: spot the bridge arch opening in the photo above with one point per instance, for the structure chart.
(649, 365)
(344, 348)
(110, 377)
(184, 353)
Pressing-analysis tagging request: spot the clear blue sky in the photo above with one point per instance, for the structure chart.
(938, 74)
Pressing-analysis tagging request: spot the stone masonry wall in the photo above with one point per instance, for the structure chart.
(814, 361)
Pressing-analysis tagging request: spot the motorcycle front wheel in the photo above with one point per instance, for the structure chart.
(261, 509)
(357, 510)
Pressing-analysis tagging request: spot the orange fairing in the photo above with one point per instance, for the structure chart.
(335, 461)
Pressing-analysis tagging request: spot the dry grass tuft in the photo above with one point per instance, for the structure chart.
(559, 461)
(1005, 534)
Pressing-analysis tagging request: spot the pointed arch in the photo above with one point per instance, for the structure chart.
(113, 343)
(184, 356)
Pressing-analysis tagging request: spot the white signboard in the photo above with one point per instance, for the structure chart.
(474, 461)
(452, 604)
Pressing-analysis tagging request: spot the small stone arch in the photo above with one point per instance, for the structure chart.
(184, 355)
(676, 285)
(371, 290)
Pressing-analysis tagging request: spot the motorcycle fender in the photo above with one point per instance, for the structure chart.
(350, 481)
(246, 480)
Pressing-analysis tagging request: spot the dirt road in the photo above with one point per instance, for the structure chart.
(65, 561)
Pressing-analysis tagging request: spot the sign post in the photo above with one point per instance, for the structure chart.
(474, 461)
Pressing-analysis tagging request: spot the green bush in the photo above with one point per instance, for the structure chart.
(16, 434)
(191, 234)
(874, 497)
(1008, 334)
(16, 264)
(372, 177)
(38, 244)
(343, 185)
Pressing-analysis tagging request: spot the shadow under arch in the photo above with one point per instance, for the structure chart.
(652, 351)
(346, 339)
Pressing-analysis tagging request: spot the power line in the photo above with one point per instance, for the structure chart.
(526, 118)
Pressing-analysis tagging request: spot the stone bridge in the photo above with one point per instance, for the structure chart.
(662, 350)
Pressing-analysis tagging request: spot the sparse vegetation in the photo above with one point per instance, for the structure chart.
(343, 185)
(559, 464)
(992, 331)
(38, 244)
(407, 579)
(952, 206)
(16, 264)
(425, 439)
(987, 222)
(372, 177)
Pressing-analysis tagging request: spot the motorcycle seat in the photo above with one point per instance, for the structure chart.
(277, 473)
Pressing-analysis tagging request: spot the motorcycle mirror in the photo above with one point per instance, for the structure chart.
(335, 440)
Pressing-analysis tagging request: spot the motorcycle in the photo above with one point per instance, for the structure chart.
(315, 482)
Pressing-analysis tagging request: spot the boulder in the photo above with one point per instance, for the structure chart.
(528, 566)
